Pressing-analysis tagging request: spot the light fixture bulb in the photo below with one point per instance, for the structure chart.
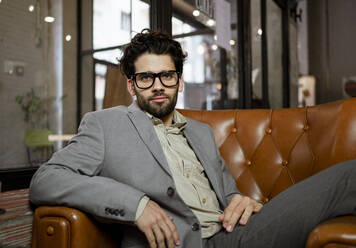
(232, 42)
(68, 37)
(214, 47)
(196, 12)
(49, 19)
(259, 32)
(210, 22)
(215, 37)
(31, 8)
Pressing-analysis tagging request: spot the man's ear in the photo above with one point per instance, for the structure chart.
(180, 84)
(131, 87)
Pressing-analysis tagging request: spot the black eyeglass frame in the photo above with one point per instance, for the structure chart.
(155, 75)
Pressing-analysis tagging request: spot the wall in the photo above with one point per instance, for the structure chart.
(332, 42)
(42, 50)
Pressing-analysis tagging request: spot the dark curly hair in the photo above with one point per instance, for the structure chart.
(155, 42)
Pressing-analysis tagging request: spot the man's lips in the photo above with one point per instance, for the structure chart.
(159, 99)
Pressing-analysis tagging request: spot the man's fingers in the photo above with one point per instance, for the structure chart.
(246, 215)
(171, 226)
(221, 217)
(258, 207)
(239, 209)
(158, 227)
(151, 238)
(168, 235)
(235, 201)
(236, 215)
(174, 231)
(159, 236)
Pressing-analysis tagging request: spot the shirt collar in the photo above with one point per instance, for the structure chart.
(179, 121)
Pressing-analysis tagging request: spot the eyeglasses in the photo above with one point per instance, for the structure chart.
(145, 80)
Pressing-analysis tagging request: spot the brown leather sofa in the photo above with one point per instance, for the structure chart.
(266, 151)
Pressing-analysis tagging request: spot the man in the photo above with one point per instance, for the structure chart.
(161, 175)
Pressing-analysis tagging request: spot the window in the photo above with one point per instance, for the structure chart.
(114, 24)
(125, 21)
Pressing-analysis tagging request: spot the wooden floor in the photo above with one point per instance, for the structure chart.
(16, 222)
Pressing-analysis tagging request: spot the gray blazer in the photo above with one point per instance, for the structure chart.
(114, 160)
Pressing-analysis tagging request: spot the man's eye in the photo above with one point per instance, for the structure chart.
(167, 75)
(145, 77)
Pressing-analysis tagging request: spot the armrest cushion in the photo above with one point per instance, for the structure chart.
(336, 232)
(62, 227)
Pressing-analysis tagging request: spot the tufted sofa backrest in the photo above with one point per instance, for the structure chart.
(267, 151)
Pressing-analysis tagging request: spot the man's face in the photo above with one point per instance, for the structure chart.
(157, 100)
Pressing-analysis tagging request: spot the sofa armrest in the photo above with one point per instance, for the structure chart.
(336, 232)
(62, 227)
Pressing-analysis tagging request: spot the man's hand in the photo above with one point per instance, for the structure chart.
(239, 209)
(158, 227)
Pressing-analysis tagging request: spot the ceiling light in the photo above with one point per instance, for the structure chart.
(30, 8)
(259, 32)
(196, 12)
(49, 19)
(232, 42)
(210, 22)
(68, 37)
(215, 37)
(214, 47)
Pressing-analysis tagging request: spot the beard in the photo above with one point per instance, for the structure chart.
(158, 110)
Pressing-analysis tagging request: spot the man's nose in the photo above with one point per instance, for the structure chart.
(157, 85)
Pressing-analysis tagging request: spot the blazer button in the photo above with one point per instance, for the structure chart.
(170, 191)
(195, 227)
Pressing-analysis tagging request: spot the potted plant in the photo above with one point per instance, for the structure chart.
(38, 146)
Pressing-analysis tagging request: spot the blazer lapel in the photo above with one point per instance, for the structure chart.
(148, 134)
(194, 141)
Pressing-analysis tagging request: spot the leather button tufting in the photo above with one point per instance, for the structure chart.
(234, 130)
(285, 163)
(50, 230)
(306, 127)
(268, 130)
(248, 163)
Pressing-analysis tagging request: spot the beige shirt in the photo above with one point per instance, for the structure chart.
(188, 174)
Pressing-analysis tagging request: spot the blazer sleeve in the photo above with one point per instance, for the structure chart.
(72, 178)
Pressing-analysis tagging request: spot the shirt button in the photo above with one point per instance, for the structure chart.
(203, 200)
(195, 227)
(170, 191)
